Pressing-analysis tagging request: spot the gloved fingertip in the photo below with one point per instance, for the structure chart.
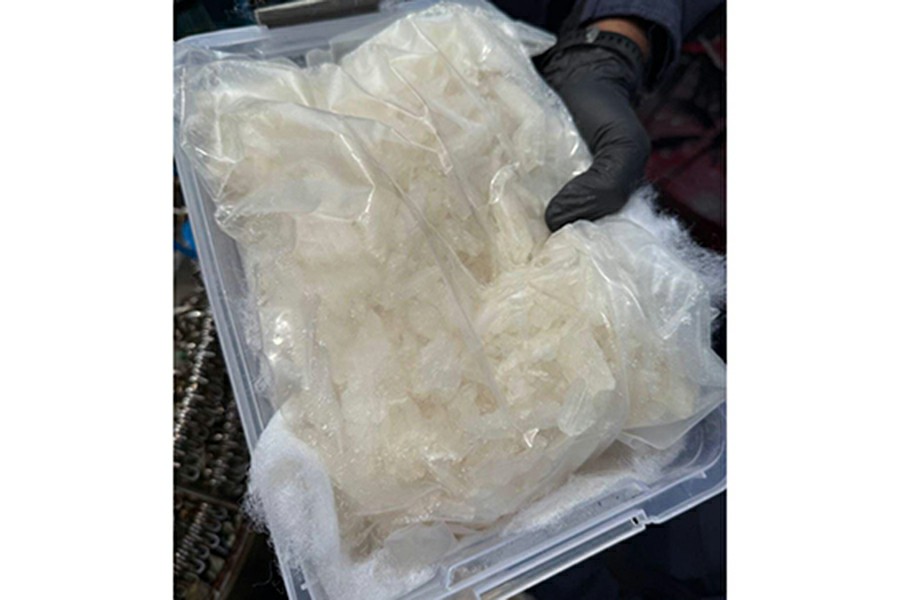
(552, 217)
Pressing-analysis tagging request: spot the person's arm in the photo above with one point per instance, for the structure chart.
(597, 70)
(607, 51)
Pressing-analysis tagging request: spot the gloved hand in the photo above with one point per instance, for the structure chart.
(598, 74)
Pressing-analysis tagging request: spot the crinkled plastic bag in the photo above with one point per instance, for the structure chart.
(444, 358)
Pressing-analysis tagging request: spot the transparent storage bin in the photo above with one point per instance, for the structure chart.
(493, 567)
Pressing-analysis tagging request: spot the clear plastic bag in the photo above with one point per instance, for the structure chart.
(442, 357)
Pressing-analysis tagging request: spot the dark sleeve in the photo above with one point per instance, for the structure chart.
(670, 21)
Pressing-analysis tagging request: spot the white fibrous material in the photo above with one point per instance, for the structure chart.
(437, 357)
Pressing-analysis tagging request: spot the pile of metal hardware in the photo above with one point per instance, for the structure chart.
(210, 459)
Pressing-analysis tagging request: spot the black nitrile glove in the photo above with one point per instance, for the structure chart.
(597, 74)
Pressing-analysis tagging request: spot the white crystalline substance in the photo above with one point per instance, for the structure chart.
(442, 357)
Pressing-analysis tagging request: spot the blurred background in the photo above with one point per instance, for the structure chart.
(219, 555)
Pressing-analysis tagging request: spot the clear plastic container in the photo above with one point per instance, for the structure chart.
(494, 567)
